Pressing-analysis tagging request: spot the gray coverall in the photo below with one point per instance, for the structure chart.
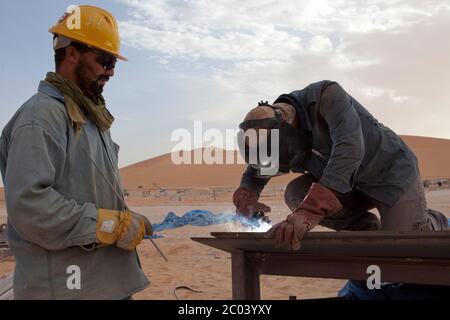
(52, 192)
(357, 156)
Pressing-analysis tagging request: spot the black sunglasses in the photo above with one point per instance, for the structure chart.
(106, 60)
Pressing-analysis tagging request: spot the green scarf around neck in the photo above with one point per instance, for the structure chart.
(76, 102)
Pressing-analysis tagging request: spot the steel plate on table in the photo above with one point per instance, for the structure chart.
(432, 244)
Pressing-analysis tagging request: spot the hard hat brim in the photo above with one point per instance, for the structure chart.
(85, 42)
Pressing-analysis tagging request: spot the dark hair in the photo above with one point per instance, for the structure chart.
(60, 54)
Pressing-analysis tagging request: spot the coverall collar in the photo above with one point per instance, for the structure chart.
(50, 90)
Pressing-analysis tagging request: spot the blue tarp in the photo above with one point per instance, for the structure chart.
(203, 218)
(357, 290)
(194, 218)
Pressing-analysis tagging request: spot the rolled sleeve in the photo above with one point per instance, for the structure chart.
(347, 138)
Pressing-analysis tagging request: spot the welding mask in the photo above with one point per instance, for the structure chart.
(272, 146)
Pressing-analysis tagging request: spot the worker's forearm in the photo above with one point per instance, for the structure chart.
(252, 181)
(47, 219)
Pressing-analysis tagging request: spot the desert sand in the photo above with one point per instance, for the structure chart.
(209, 270)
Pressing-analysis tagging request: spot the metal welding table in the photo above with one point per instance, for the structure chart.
(410, 257)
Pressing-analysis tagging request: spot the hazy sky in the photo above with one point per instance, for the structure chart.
(213, 60)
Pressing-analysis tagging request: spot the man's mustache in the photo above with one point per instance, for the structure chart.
(102, 77)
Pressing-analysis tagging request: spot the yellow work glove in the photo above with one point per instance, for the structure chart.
(125, 229)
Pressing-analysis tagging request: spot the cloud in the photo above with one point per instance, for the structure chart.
(390, 55)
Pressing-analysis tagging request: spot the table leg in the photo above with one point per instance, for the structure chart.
(245, 272)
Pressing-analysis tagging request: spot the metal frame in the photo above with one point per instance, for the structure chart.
(252, 256)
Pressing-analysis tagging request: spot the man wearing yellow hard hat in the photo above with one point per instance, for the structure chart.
(69, 229)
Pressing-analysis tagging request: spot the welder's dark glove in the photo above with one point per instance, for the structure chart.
(319, 203)
(246, 202)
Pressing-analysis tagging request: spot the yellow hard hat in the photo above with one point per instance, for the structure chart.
(92, 26)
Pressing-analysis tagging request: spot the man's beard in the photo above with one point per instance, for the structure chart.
(89, 87)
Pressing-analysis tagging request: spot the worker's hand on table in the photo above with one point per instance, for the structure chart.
(319, 203)
(125, 229)
(246, 202)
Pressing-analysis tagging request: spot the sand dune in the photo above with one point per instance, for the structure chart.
(161, 171)
(433, 155)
